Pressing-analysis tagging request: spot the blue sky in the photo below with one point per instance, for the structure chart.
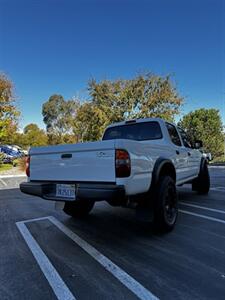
(56, 46)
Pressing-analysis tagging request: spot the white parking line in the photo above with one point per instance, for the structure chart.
(203, 207)
(35, 220)
(57, 284)
(202, 216)
(218, 189)
(12, 176)
(216, 167)
(3, 182)
(140, 291)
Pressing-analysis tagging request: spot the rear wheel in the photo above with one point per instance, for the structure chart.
(165, 204)
(78, 208)
(202, 183)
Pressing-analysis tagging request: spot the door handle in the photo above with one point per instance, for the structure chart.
(189, 154)
(66, 155)
(177, 152)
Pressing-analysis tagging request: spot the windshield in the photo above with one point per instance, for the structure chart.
(138, 131)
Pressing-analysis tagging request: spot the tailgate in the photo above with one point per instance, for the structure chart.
(85, 162)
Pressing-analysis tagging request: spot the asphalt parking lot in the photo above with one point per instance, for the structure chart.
(45, 254)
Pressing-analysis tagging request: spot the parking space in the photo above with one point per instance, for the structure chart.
(111, 255)
(11, 181)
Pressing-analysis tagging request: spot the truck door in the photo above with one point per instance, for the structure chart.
(180, 154)
(193, 154)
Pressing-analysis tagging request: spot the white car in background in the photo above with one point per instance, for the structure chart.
(207, 156)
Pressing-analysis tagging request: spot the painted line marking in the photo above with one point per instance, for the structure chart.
(202, 216)
(35, 219)
(216, 167)
(3, 182)
(140, 291)
(134, 286)
(12, 176)
(218, 189)
(203, 207)
(57, 284)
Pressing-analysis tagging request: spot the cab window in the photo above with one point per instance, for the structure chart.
(173, 134)
(185, 138)
(138, 131)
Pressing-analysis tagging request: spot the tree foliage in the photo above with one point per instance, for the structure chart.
(144, 96)
(59, 115)
(90, 122)
(206, 125)
(8, 112)
(34, 136)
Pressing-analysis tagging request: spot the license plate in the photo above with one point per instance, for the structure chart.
(66, 191)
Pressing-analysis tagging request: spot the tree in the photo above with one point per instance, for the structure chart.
(34, 136)
(8, 112)
(206, 125)
(58, 115)
(89, 123)
(144, 96)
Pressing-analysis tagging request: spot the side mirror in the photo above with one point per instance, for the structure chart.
(198, 144)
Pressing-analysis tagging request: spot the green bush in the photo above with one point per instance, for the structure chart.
(220, 159)
(16, 162)
(5, 167)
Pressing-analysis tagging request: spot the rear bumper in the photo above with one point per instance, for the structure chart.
(94, 191)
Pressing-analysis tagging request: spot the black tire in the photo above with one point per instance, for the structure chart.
(202, 183)
(78, 208)
(165, 204)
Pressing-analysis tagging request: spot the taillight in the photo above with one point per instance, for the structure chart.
(28, 166)
(123, 165)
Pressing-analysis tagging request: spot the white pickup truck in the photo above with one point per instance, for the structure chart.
(137, 164)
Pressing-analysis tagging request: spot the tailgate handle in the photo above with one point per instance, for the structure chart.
(66, 155)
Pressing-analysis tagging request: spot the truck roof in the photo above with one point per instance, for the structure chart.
(141, 120)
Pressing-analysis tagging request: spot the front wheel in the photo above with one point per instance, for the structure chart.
(165, 204)
(78, 208)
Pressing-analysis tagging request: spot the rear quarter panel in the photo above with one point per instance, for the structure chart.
(143, 156)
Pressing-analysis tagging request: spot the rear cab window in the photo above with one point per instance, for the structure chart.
(137, 131)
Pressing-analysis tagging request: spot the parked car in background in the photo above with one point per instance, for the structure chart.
(18, 148)
(10, 153)
(5, 159)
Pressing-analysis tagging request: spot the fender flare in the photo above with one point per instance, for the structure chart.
(159, 164)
